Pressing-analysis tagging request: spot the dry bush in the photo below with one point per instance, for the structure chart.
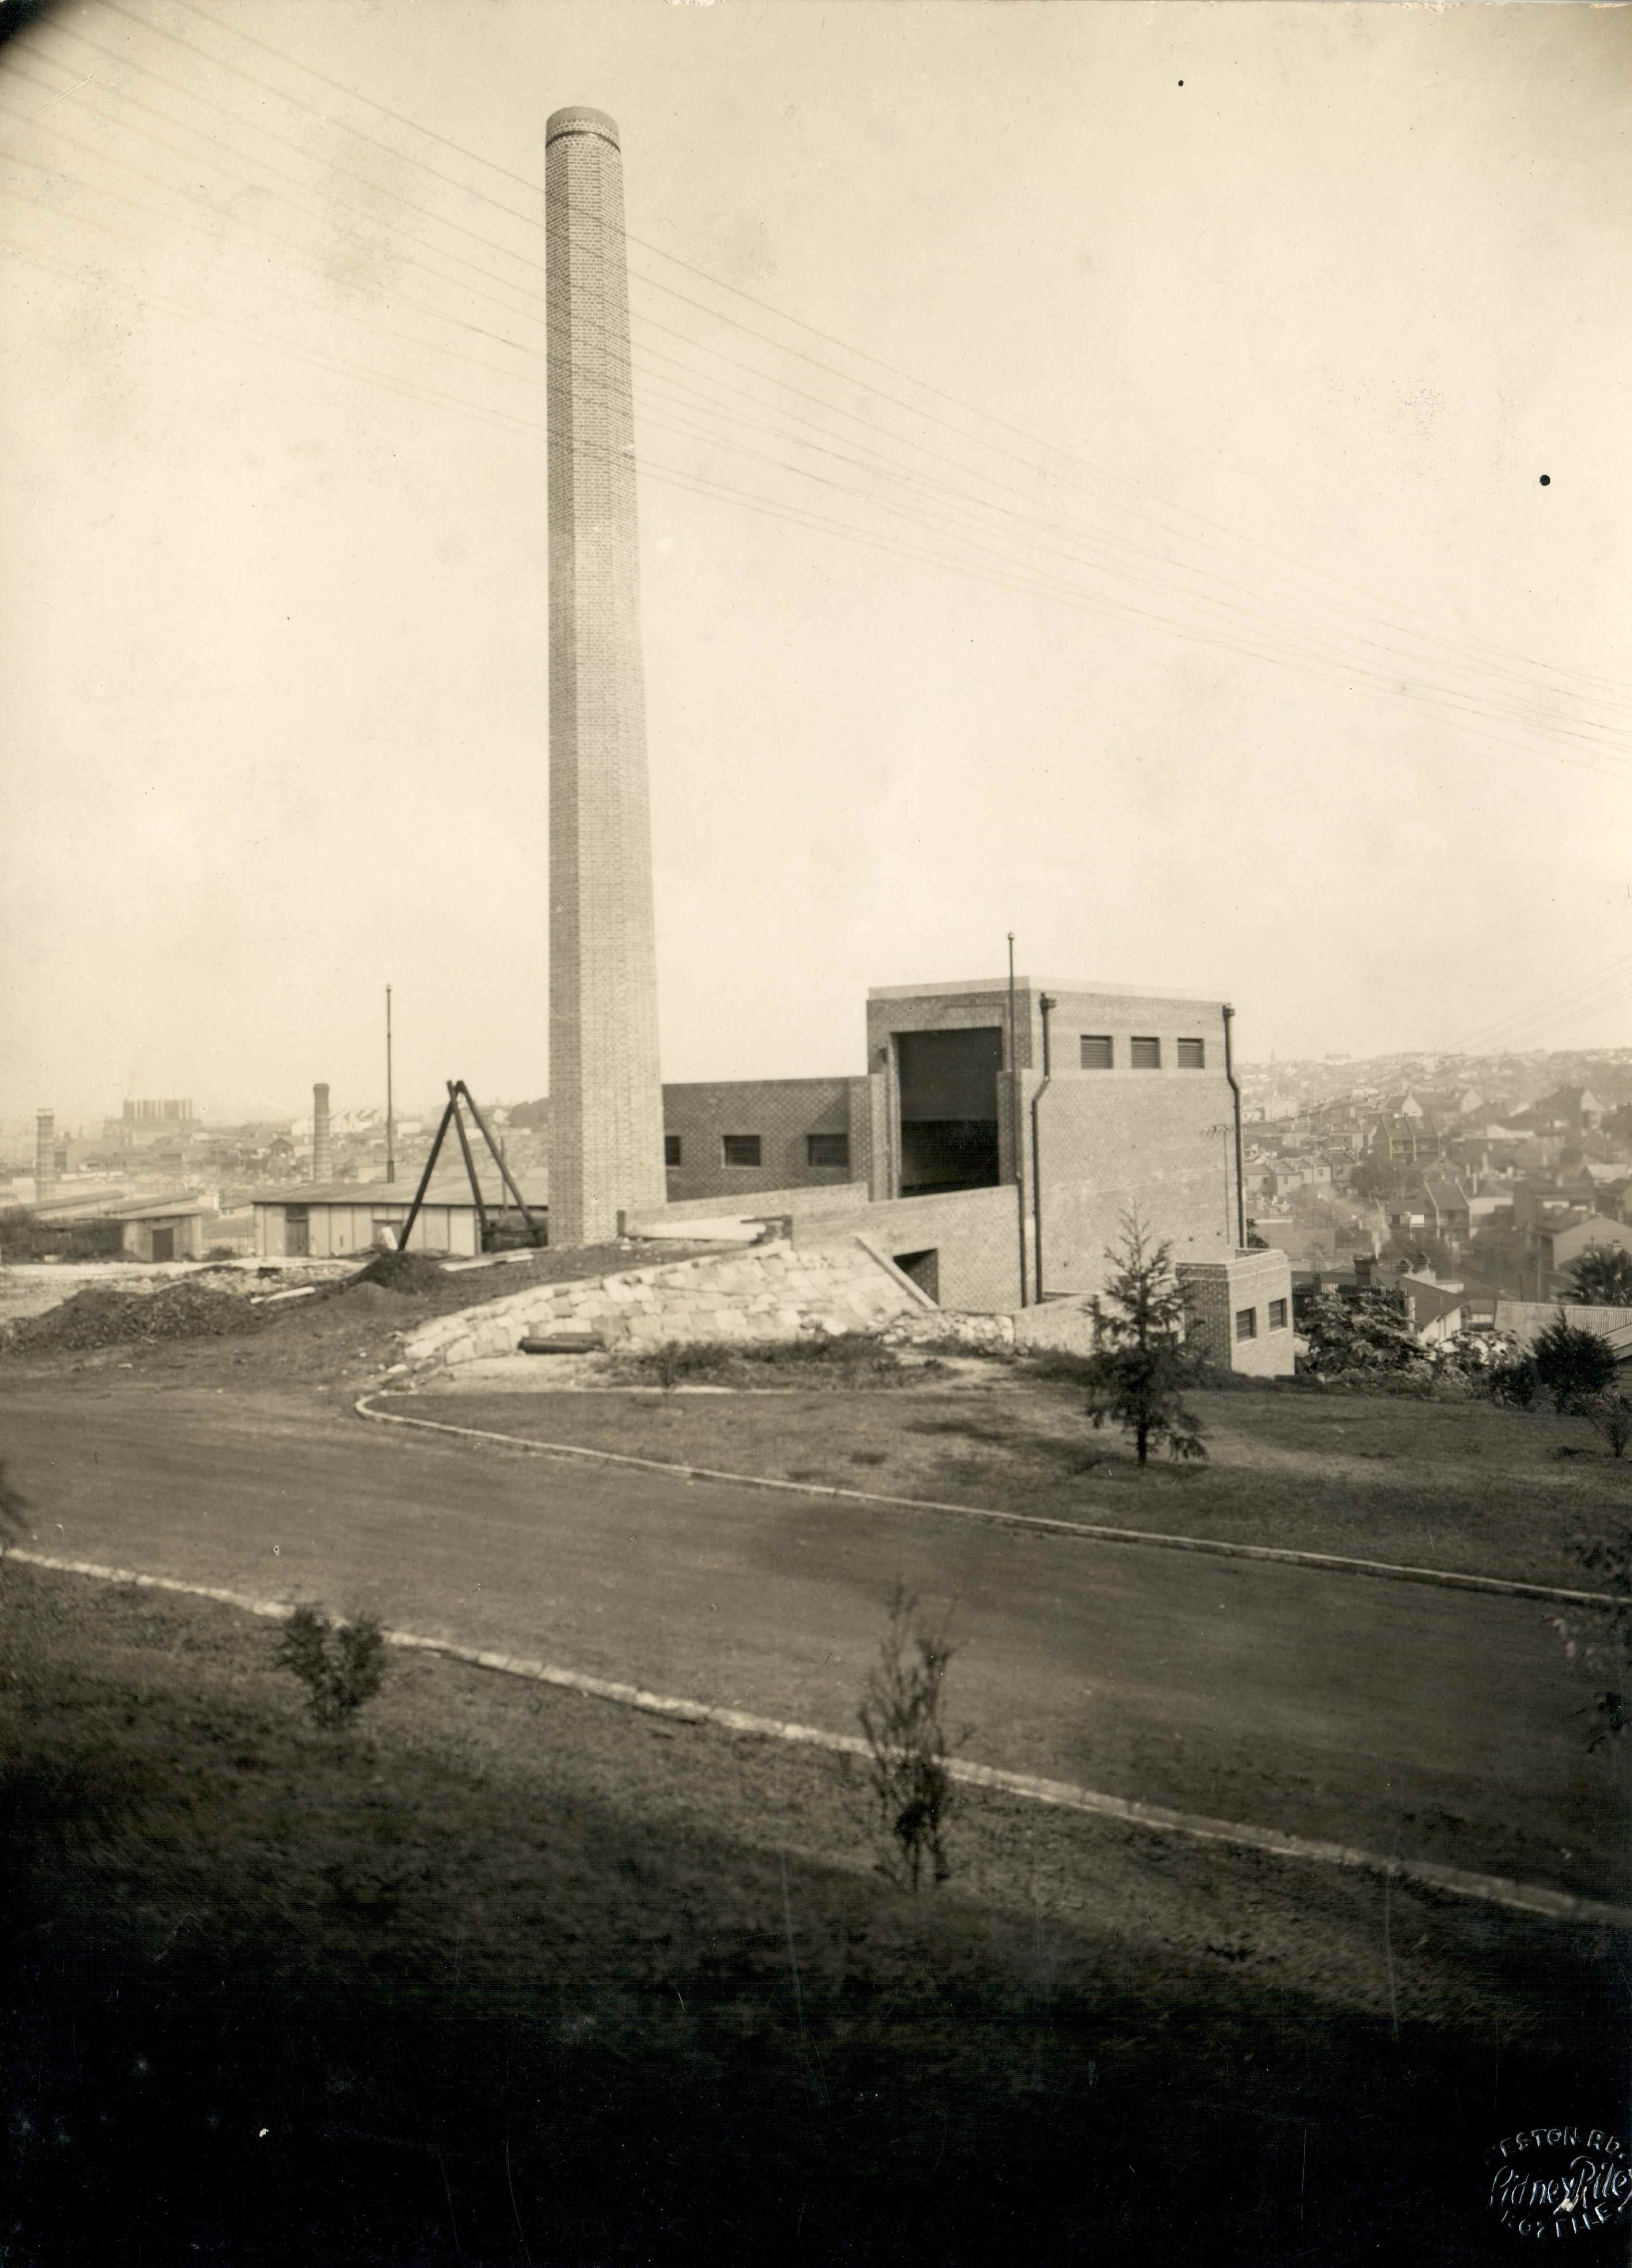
(909, 1750)
(342, 1665)
(1611, 1415)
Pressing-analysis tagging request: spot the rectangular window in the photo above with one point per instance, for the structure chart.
(1246, 1322)
(827, 1149)
(1192, 1055)
(1098, 1052)
(1146, 1055)
(671, 1149)
(1277, 1315)
(740, 1149)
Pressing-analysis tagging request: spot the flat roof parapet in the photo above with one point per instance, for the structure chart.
(1101, 987)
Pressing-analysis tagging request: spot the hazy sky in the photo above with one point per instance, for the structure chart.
(1213, 626)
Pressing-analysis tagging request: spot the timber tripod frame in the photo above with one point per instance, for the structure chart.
(457, 1091)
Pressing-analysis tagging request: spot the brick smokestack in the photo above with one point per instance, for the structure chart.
(45, 1155)
(322, 1145)
(606, 1102)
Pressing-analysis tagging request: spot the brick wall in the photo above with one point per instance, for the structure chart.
(1219, 1290)
(1160, 1139)
(779, 1293)
(783, 1113)
(606, 1109)
(769, 1205)
(1159, 1143)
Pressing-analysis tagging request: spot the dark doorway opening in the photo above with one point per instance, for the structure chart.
(924, 1268)
(948, 1110)
(164, 1244)
(297, 1232)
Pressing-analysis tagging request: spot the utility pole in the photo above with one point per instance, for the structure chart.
(390, 1114)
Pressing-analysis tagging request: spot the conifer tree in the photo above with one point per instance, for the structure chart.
(1141, 1363)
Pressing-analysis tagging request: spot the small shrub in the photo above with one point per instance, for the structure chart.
(1571, 1363)
(1611, 1415)
(1598, 1640)
(908, 1749)
(342, 1665)
(844, 1359)
(1368, 1335)
(678, 1362)
(1516, 1385)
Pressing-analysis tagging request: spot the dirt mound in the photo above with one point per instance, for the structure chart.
(95, 1317)
(365, 1294)
(401, 1271)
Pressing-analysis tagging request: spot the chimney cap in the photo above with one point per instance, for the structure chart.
(576, 119)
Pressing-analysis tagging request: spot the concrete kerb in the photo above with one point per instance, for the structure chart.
(1080, 1531)
(1428, 1874)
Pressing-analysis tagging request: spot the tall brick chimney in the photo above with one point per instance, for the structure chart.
(45, 1155)
(606, 1101)
(322, 1145)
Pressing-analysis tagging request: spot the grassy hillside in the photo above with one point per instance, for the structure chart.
(515, 1977)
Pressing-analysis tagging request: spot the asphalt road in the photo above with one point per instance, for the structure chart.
(1372, 1713)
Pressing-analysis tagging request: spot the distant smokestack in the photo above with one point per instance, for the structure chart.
(322, 1147)
(45, 1155)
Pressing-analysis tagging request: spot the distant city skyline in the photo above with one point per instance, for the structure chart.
(1540, 1067)
(1155, 480)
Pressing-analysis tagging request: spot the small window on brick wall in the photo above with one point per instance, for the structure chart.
(1098, 1052)
(671, 1149)
(1192, 1055)
(740, 1149)
(1246, 1322)
(1146, 1055)
(1277, 1315)
(827, 1149)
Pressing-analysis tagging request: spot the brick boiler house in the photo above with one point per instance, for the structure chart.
(996, 1167)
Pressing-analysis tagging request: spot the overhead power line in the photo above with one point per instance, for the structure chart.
(1299, 571)
(1001, 570)
(951, 511)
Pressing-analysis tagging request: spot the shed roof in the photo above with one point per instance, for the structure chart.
(452, 1190)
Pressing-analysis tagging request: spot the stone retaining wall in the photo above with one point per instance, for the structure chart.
(772, 1292)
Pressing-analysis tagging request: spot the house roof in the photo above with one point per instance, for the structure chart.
(160, 1209)
(64, 1212)
(381, 1197)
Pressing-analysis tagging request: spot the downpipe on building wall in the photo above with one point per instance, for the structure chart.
(1045, 1002)
(1229, 1073)
(1017, 1124)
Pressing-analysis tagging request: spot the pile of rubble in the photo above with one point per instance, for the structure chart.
(944, 1330)
(101, 1317)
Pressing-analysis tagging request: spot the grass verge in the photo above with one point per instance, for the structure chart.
(1463, 1486)
(511, 1976)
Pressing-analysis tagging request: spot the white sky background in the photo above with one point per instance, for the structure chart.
(276, 653)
